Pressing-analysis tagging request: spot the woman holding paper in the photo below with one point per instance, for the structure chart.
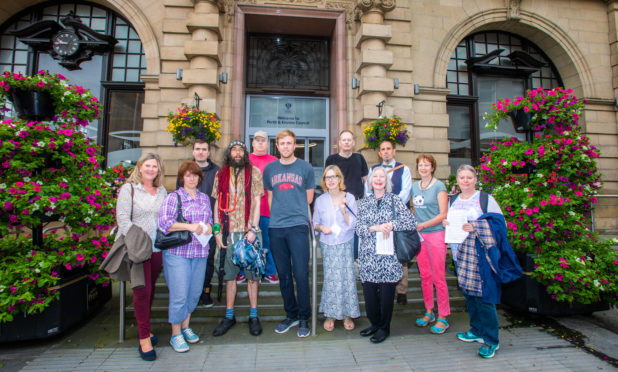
(430, 206)
(379, 214)
(334, 216)
(482, 310)
(185, 266)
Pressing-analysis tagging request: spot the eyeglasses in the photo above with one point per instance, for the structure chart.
(331, 178)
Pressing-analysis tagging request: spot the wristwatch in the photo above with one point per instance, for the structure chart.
(255, 229)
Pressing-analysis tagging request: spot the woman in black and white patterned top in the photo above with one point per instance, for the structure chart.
(379, 273)
(148, 195)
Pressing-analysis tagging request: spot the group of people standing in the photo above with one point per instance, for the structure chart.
(258, 196)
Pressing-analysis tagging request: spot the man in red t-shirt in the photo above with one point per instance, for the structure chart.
(259, 158)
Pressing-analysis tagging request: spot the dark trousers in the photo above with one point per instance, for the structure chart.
(290, 248)
(210, 262)
(483, 319)
(379, 298)
(142, 297)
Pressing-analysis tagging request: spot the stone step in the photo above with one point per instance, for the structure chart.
(271, 303)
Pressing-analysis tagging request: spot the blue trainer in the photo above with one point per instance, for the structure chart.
(488, 351)
(179, 344)
(469, 337)
(190, 336)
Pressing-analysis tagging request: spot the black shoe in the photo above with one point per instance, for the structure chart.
(402, 299)
(380, 336)
(369, 331)
(149, 355)
(206, 300)
(224, 326)
(255, 328)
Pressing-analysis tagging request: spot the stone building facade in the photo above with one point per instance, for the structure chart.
(409, 54)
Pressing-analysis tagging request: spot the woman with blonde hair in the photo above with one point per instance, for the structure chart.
(139, 201)
(334, 216)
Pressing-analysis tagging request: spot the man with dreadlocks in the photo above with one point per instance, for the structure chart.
(238, 189)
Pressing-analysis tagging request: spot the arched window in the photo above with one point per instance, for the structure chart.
(484, 68)
(113, 77)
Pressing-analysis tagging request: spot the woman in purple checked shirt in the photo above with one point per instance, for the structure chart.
(185, 266)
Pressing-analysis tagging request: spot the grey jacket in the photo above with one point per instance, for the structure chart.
(124, 261)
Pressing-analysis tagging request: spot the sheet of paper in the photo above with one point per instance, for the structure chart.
(454, 232)
(336, 229)
(384, 246)
(203, 238)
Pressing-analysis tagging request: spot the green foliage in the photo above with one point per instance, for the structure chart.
(547, 210)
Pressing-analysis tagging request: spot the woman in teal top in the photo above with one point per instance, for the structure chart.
(430, 207)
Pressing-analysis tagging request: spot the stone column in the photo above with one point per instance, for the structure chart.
(374, 60)
(202, 51)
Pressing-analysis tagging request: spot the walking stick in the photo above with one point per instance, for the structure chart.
(224, 236)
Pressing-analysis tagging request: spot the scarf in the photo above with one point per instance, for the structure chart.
(224, 179)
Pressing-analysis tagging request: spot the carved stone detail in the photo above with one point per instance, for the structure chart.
(364, 6)
(348, 6)
(513, 8)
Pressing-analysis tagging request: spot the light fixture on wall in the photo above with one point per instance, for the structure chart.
(396, 83)
(417, 89)
(223, 77)
(179, 74)
(355, 83)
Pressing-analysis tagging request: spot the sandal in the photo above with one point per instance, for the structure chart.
(329, 324)
(420, 322)
(348, 323)
(439, 330)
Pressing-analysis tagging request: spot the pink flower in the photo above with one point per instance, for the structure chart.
(13, 289)
(94, 276)
(529, 152)
(92, 159)
(79, 257)
(522, 163)
(514, 163)
(564, 263)
(8, 205)
(93, 259)
(528, 211)
(68, 266)
(40, 84)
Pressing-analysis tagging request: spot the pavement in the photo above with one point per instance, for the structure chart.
(527, 343)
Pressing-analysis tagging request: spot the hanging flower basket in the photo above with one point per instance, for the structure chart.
(72, 104)
(386, 129)
(190, 124)
(32, 105)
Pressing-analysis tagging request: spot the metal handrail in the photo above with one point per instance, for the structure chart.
(314, 278)
(592, 210)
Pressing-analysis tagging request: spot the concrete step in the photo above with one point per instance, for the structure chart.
(271, 303)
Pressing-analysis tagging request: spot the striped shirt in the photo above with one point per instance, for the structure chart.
(194, 211)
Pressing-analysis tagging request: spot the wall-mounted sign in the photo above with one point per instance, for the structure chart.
(287, 112)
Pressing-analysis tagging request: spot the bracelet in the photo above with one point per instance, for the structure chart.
(216, 227)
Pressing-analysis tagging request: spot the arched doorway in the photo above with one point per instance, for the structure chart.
(485, 67)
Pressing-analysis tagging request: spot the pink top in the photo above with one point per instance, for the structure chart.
(261, 161)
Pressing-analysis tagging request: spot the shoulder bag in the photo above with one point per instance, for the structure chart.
(407, 242)
(175, 238)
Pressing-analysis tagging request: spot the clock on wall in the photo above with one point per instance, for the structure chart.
(70, 42)
(65, 43)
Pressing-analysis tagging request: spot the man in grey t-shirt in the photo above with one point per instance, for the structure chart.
(290, 183)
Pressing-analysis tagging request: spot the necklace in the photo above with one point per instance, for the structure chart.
(429, 183)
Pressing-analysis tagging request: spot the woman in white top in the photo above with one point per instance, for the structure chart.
(483, 316)
(334, 216)
(139, 201)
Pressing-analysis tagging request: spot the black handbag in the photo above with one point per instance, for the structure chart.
(175, 238)
(407, 243)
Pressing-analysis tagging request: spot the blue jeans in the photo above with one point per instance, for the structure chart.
(290, 248)
(185, 280)
(483, 319)
(270, 262)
